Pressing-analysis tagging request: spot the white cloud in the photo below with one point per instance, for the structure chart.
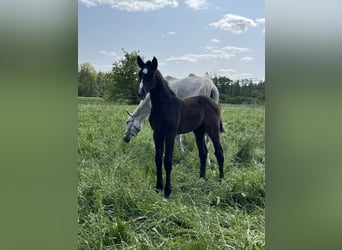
(196, 4)
(191, 57)
(132, 5)
(234, 23)
(246, 59)
(233, 74)
(225, 49)
(260, 20)
(234, 49)
(88, 3)
(111, 53)
(215, 40)
(211, 52)
(225, 72)
(103, 67)
(170, 33)
(210, 47)
(244, 75)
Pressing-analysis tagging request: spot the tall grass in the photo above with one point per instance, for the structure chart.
(119, 209)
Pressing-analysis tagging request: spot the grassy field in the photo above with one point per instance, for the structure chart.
(119, 209)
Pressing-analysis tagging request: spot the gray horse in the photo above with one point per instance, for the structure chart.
(183, 88)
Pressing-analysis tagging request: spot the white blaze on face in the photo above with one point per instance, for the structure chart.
(144, 71)
(141, 84)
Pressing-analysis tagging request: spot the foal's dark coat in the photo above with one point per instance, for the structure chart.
(171, 115)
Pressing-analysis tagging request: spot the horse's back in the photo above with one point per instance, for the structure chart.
(197, 111)
(202, 102)
(191, 86)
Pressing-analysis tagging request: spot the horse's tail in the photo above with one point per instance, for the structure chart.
(221, 127)
(214, 94)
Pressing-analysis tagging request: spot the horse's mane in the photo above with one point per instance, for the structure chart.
(160, 77)
(170, 78)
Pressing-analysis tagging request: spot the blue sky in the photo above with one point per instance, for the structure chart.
(221, 37)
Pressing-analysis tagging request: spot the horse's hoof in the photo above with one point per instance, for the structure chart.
(165, 199)
(201, 180)
(167, 193)
(218, 200)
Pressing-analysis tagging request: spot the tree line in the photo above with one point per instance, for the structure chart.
(120, 84)
(243, 91)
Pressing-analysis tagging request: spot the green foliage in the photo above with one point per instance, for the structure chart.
(90, 83)
(101, 83)
(119, 209)
(240, 92)
(122, 80)
(87, 80)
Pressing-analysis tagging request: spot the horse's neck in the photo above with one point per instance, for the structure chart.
(161, 94)
(143, 109)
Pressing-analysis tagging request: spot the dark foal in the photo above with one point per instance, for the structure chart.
(171, 115)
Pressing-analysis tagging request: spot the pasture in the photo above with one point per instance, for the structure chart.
(119, 209)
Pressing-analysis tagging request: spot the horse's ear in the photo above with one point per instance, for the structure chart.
(128, 113)
(154, 63)
(140, 62)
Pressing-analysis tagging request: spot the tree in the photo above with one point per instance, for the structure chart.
(240, 91)
(101, 83)
(236, 88)
(223, 84)
(87, 80)
(122, 80)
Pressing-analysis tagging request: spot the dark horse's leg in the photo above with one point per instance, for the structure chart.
(169, 143)
(159, 147)
(215, 137)
(202, 149)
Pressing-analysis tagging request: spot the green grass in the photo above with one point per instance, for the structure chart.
(90, 100)
(119, 209)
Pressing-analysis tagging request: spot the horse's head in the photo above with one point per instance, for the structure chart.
(132, 129)
(146, 75)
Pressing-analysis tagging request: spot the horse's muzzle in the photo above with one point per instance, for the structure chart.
(126, 138)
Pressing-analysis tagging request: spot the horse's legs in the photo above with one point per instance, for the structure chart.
(202, 149)
(215, 137)
(220, 160)
(207, 140)
(179, 142)
(169, 143)
(159, 147)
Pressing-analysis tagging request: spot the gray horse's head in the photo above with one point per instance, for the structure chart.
(133, 127)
